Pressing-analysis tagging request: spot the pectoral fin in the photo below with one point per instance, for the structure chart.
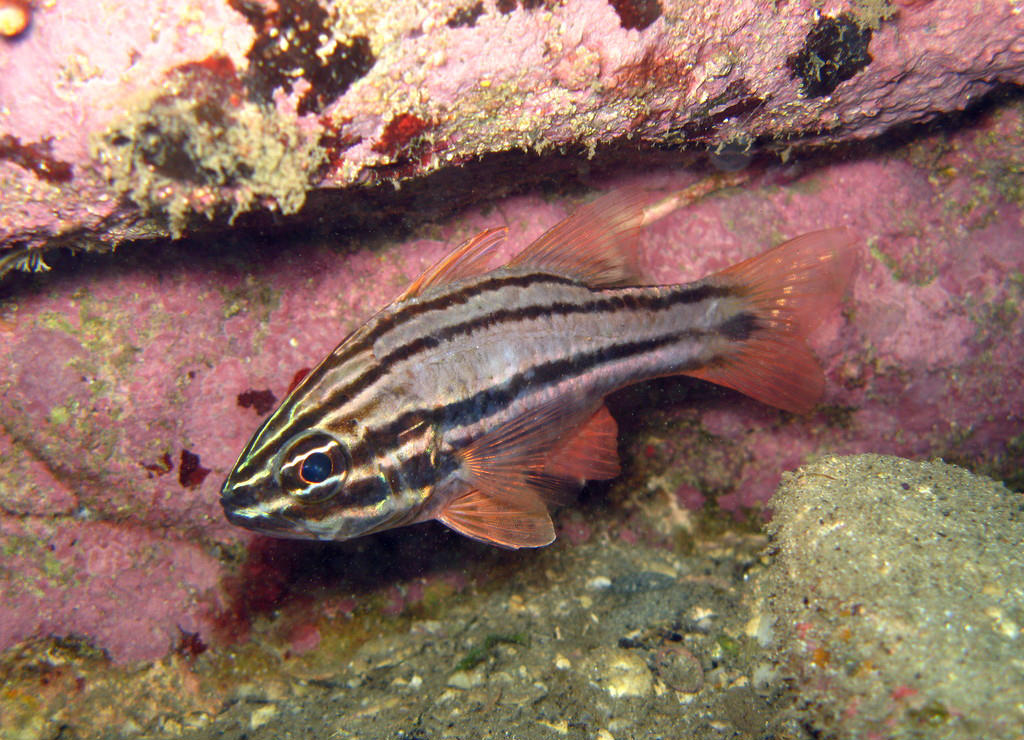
(535, 458)
(509, 463)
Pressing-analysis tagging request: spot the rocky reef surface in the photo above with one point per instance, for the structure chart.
(130, 380)
(124, 119)
(129, 385)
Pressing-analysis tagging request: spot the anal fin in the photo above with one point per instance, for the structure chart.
(590, 453)
(511, 523)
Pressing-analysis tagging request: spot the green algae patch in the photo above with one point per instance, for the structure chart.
(61, 415)
(198, 145)
(478, 654)
(45, 572)
(871, 13)
(251, 295)
(915, 266)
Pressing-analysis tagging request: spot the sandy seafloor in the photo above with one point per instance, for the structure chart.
(886, 603)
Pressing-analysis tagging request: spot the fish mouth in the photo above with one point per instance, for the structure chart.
(244, 508)
(234, 496)
(266, 523)
(239, 517)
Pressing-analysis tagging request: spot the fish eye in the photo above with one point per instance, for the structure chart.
(316, 467)
(312, 466)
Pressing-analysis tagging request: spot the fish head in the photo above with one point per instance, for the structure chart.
(305, 474)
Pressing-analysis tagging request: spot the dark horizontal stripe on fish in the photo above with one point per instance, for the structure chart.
(740, 326)
(616, 301)
(613, 303)
(443, 302)
(364, 487)
(498, 398)
(409, 310)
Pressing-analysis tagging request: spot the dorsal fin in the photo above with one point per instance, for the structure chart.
(470, 258)
(595, 245)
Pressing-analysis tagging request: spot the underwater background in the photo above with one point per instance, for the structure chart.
(201, 199)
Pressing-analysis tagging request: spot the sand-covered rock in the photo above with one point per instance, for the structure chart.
(898, 597)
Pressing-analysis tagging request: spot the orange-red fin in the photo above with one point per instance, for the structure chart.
(532, 459)
(511, 523)
(472, 257)
(511, 461)
(779, 373)
(788, 289)
(591, 453)
(595, 245)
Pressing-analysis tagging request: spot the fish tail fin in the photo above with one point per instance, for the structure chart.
(788, 291)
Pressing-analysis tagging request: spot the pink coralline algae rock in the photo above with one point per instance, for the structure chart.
(128, 387)
(125, 118)
(123, 587)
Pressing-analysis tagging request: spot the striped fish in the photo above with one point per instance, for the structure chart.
(477, 397)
